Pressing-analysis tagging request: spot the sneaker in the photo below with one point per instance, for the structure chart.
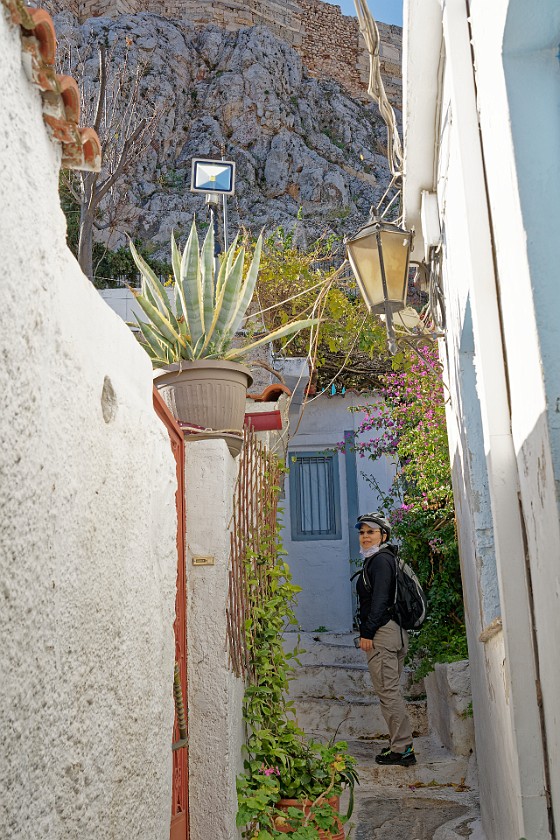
(404, 759)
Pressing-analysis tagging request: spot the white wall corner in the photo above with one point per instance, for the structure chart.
(215, 695)
(422, 42)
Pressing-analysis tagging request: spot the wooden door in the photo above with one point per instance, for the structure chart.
(180, 785)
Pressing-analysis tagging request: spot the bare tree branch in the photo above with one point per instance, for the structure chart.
(125, 121)
(102, 86)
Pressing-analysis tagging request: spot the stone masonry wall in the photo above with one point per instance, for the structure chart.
(329, 42)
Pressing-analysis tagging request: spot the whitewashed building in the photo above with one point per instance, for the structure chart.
(326, 489)
(482, 138)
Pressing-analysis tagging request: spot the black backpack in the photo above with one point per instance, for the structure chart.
(410, 604)
(410, 601)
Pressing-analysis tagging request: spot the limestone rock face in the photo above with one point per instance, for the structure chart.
(298, 142)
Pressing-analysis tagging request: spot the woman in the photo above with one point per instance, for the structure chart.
(381, 638)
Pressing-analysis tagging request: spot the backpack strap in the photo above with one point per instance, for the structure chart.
(397, 565)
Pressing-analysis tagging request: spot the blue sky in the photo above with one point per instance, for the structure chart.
(388, 11)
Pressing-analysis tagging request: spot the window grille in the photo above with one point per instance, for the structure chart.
(314, 496)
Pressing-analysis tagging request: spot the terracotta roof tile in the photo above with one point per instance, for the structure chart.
(271, 393)
(81, 148)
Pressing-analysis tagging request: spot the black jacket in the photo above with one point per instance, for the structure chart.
(377, 601)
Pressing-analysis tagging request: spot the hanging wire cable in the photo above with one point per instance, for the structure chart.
(285, 300)
(376, 88)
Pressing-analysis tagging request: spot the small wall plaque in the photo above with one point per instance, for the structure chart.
(203, 560)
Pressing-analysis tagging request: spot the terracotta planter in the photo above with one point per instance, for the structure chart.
(208, 393)
(304, 806)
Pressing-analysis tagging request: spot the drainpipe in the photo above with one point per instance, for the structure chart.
(515, 595)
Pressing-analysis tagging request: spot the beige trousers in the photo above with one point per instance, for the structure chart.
(385, 663)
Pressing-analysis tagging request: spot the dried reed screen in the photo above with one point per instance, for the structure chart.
(253, 543)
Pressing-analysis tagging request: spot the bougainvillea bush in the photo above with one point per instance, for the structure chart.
(408, 426)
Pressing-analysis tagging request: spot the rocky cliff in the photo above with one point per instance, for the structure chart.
(302, 145)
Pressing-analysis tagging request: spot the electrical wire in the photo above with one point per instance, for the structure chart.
(376, 88)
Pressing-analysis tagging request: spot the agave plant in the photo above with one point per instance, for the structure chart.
(206, 311)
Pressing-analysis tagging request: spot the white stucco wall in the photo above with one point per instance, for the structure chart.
(322, 567)
(518, 78)
(215, 695)
(494, 165)
(87, 534)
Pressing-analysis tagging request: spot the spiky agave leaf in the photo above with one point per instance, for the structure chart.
(226, 264)
(229, 295)
(162, 323)
(163, 350)
(190, 282)
(152, 289)
(227, 282)
(247, 291)
(207, 271)
(281, 332)
(180, 303)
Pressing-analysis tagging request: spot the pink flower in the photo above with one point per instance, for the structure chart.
(269, 771)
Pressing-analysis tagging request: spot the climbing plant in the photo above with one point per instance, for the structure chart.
(280, 761)
(408, 427)
(349, 345)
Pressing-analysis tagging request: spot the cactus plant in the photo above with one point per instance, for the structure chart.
(206, 311)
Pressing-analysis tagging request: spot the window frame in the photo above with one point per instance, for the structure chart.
(297, 534)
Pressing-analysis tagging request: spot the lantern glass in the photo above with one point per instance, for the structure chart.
(363, 254)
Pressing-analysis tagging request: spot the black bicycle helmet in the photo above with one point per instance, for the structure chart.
(375, 518)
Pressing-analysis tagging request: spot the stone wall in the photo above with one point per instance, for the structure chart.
(332, 47)
(329, 42)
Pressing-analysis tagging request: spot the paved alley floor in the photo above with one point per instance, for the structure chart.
(430, 801)
(436, 799)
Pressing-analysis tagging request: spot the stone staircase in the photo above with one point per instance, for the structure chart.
(332, 690)
(436, 799)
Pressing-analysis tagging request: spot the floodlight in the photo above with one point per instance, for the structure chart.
(213, 176)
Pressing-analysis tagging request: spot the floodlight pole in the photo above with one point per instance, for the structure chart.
(225, 220)
(212, 200)
(224, 210)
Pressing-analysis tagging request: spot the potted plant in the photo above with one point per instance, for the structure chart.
(190, 338)
(298, 795)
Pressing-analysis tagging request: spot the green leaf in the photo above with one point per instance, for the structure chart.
(190, 282)
(281, 332)
(159, 320)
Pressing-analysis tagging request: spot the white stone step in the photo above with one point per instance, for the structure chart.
(324, 648)
(350, 682)
(436, 768)
(352, 720)
(335, 682)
